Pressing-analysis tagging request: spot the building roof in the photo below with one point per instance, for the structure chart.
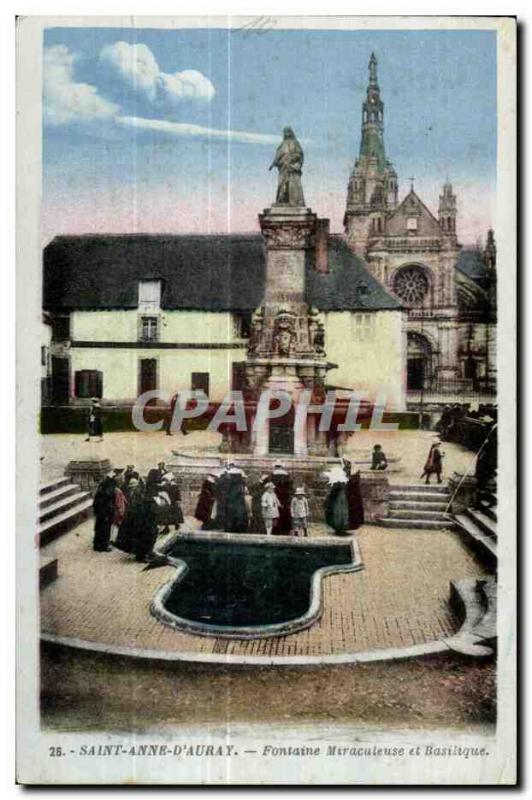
(471, 263)
(212, 273)
(209, 273)
(348, 285)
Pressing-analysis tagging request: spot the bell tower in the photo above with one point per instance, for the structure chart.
(372, 188)
(447, 210)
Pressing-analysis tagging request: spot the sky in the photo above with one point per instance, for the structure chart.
(173, 131)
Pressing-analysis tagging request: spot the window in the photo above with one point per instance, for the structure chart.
(411, 224)
(241, 325)
(363, 327)
(149, 294)
(149, 329)
(411, 285)
(88, 383)
(200, 382)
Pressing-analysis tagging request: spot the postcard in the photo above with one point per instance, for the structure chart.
(266, 400)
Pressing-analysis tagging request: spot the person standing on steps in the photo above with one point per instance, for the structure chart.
(433, 464)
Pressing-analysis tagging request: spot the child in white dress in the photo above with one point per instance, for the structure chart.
(299, 509)
(270, 507)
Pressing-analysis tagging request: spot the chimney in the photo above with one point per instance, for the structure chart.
(321, 241)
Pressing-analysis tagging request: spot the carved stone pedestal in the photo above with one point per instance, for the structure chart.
(87, 473)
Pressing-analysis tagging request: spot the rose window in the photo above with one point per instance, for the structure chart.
(411, 285)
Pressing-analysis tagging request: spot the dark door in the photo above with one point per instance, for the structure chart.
(281, 439)
(148, 375)
(60, 380)
(416, 373)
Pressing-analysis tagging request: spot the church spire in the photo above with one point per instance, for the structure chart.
(372, 142)
(373, 70)
(372, 188)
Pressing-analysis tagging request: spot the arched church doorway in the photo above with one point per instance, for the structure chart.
(419, 362)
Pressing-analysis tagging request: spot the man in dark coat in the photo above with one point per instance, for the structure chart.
(284, 491)
(146, 530)
(104, 511)
(354, 502)
(94, 421)
(154, 479)
(222, 485)
(206, 500)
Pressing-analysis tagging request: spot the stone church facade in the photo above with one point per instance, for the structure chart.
(449, 291)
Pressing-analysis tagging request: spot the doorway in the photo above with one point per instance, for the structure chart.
(419, 362)
(147, 375)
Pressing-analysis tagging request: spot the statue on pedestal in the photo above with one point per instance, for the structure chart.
(289, 161)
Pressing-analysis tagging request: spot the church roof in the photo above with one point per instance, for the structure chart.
(471, 263)
(413, 206)
(198, 272)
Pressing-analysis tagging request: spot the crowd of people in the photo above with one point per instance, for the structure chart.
(130, 510)
(448, 424)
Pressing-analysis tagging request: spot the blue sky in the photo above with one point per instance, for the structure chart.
(134, 137)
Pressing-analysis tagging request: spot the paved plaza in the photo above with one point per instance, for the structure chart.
(145, 449)
(400, 599)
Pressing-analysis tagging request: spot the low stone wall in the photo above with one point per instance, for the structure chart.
(374, 485)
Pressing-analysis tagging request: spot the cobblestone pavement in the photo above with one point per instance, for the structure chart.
(145, 449)
(399, 599)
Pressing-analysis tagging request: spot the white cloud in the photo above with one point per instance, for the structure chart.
(137, 67)
(180, 129)
(64, 100)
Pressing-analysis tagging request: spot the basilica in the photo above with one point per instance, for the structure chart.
(402, 308)
(449, 290)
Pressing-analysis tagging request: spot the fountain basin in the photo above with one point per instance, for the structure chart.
(248, 586)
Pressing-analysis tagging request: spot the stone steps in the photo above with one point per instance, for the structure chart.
(483, 544)
(431, 488)
(417, 507)
(55, 495)
(50, 486)
(419, 497)
(47, 572)
(485, 523)
(417, 523)
(414, 505)
(62, 506)
(419, 514)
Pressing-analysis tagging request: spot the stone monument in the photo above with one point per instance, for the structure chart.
(286, 349)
